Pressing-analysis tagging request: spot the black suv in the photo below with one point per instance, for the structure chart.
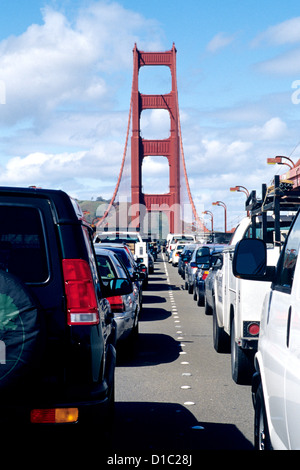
(57, 333)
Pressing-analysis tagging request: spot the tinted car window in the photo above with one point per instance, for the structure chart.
(123, 256)
(105, 267)
(203, 256)
(22, 244)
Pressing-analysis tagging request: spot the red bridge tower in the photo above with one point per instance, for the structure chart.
(169, 148)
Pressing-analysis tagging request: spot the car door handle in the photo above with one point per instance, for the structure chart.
(288, 327)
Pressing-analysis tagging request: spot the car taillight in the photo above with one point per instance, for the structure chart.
(116, 303)
(204, 275)
(80, 293)
(54, 415)
(253, 329)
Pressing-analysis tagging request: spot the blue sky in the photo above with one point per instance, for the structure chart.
(65, 83)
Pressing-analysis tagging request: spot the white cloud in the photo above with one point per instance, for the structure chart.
(57, 62)
(286, 32)
(220, 41)
(283, 35)
(61, 80)
(273, 129)
(285, 64)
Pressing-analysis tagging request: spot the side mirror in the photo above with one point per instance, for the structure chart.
(250, 261)
(138, 276)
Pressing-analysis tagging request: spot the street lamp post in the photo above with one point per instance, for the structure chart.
(222, 204)
(211, 218)
(240, 189)
(243, 190)
(278, 160)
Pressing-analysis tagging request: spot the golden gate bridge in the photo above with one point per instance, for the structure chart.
(174, 203)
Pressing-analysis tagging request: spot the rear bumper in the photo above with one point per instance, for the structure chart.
(92, 402)
(91, 399)
(20, 414)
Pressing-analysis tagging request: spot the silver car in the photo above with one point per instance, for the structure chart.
(125, 307)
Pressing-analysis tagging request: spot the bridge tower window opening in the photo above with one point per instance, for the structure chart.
(155, 175)
(155, 124)
(155, 80)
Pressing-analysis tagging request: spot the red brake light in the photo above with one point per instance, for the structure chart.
(80, 293)
(116, 303)
(204, 275)
(253, 329)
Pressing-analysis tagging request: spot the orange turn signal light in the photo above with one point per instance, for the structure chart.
(54, 415)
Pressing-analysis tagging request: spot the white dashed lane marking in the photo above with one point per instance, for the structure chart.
(176, 318)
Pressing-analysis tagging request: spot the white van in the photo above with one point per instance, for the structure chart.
(276, 383)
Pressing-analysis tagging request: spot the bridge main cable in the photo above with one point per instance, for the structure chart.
(99, 222)
(197, 218)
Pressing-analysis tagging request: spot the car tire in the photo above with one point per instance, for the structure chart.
(242, 365)
(262, 439)
(221, 340)
(200, 302)
(207, 308)
(22, 331)
(195, 294)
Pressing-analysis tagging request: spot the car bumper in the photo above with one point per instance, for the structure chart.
(124, 324)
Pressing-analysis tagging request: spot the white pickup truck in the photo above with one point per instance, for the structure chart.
(133, 240)
(238, 303)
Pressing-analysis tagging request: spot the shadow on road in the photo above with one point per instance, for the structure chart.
(170, 427)
(151, 349)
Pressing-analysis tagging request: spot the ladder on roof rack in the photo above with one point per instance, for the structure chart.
(277, 198)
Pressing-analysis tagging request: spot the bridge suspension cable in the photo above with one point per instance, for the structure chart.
(99, 222)
(198, 220)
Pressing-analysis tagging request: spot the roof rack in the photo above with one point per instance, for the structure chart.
(279, 197)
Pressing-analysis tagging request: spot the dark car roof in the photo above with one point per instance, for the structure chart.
(62, 205)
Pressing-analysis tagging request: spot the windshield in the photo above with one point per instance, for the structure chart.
(203, 255)
(119, 237)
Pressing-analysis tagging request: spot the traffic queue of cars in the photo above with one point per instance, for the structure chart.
(67, 301)
(197, 265)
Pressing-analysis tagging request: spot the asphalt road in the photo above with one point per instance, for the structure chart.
(175, 394)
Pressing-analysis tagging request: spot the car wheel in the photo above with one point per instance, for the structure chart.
(22, 331)
(195, 294)
(262, 439)
(135, 329)
(200, 302)
(242, 366)
(190, 288)
(221, 340)
(207, 308)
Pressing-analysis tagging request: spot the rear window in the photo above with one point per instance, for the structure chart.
(203, 255)
(106, 268)
(22, 243)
